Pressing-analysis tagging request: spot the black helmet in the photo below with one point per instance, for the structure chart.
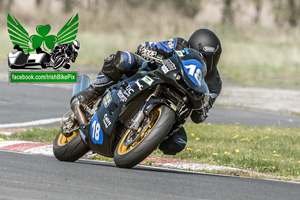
(209, 45)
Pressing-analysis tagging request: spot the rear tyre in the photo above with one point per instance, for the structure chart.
(69, 148)
(127, 156)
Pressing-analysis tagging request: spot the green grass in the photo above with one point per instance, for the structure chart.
(271, 150)
(274, 151)
(34, 135)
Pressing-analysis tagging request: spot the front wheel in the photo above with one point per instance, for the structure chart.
(69, 148)
(132, 150)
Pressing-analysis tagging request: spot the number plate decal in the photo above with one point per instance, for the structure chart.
(96, 131)
(194, 69)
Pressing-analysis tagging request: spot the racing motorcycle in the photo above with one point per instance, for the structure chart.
(130, 120)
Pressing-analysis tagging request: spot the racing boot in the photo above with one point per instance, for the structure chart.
(175, 141)
(94, 91)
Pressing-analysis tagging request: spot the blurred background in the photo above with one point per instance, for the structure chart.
(260, 38)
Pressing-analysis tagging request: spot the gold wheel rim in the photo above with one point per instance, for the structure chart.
(63, 140)
(122, 149)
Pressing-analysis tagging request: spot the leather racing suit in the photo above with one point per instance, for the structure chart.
(127, 63)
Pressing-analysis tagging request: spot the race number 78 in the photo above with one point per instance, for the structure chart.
(197, 75)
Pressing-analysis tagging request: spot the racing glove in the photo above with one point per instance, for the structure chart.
(200, 115)
(160, 49)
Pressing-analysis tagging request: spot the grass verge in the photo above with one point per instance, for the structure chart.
(271, 150)
(33, 134)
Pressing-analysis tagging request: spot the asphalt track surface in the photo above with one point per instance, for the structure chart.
(25, 103)
(25, 176)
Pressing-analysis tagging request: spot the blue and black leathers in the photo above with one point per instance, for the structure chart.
(128, 63)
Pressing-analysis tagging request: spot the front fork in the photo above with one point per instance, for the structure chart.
(148, 106)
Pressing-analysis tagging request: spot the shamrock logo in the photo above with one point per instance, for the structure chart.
(43, 37)
(19, 36)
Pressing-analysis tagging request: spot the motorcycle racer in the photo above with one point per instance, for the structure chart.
(62, 54)
(127, 63)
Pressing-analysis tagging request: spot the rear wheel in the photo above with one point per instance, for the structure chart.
(69, 148)
(135, 147)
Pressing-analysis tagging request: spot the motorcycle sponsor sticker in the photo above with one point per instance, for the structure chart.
(147, 80)
(128, 90)
(167, 66)
(173, 107)
(106, 121)
(194, 69)
(186, 51)
(121, 96)
(107, 99)
(96, 131)
(139, 85)
(179, 53)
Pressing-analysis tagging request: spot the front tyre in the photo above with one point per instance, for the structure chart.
(69, 148)
(128, 154)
